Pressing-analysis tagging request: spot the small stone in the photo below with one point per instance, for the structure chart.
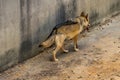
(98, 74)
(69, 77)
(105, 50)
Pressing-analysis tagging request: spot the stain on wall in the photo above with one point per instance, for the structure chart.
(26, 41)
(8, 59)
(93, 16)
(115, 6)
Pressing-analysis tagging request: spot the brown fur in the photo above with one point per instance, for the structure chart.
(67, 32)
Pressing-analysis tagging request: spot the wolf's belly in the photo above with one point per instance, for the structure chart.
(72, 34)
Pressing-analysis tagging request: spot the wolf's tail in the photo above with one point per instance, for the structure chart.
(49, 42)
(54, 31)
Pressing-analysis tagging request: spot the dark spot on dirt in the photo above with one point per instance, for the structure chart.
(90, 51)
(93, 46)
(105, 50)
(114, 42)
(19, 79)
(98, 74)
(115, 60)
(98, 53)
(107, 21)
(69, 77)
(112, 78)
(49, 72)
(85, 54)
(80, 77)
(72, 71)
(119, 38)
(118, 74)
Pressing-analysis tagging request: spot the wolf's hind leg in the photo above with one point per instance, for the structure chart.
(59, 40)
(55, 51)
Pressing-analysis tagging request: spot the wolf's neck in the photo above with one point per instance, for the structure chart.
(81, 28)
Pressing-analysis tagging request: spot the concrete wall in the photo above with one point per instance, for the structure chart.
(26, 23)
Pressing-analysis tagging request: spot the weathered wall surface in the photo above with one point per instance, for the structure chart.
(26, 23)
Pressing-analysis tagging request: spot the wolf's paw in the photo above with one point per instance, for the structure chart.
(66, 51)
(56, 60)
(76, 49)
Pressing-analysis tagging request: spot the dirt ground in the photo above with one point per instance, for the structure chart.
(97, 59)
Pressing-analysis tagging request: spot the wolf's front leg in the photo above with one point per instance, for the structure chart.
(75, 43)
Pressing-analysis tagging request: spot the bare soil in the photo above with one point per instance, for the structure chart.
(97, 59)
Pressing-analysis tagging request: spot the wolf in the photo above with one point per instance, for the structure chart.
(70, 30)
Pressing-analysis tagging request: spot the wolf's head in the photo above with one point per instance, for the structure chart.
(83, 20)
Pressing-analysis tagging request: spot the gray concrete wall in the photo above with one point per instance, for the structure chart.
(26, 23)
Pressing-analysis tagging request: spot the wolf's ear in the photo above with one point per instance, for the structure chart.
(82, 14)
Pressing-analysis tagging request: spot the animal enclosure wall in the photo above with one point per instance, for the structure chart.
(26, 23)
